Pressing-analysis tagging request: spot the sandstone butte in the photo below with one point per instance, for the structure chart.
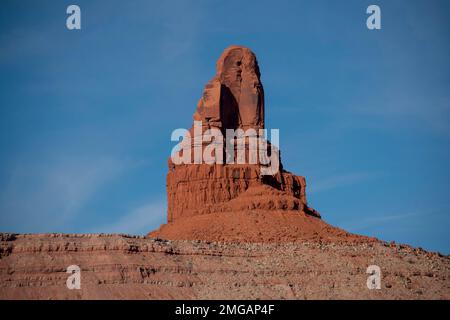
(234, 202)
(230, 234)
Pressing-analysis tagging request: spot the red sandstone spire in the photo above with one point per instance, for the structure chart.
(233, 99)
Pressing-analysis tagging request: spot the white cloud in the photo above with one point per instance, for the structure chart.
(340, 181)
(44, 194)
(139, 220)
(377, 221)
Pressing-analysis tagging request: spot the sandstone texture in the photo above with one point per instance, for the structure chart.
(231, 232)
(127, 267)
(233, 99)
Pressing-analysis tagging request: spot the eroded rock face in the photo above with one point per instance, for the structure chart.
(236, 235)
(232, 99)
(125, 267)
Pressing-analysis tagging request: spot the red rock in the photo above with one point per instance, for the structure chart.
(124, 267)
(232, 99)
(268, 244)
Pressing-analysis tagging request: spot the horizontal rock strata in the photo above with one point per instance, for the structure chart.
(124, 267)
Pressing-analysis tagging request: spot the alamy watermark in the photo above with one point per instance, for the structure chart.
(74, 280)
(374, 280)
(211, 147)
(73, 22)
(373, 22)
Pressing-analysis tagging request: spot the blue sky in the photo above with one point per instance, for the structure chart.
(86, 116)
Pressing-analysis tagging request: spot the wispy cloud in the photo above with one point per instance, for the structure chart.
(377, 220)
(139, 220)
(43, 195)
(382, 219)
(417, 109)
(340, 181)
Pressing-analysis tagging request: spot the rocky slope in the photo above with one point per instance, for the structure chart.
(125, 267)
(255, 226)
(232, 232)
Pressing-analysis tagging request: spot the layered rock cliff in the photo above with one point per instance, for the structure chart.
(232, 99)
(261, 239)
(127, 267)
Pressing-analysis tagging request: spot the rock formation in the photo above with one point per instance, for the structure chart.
(232, 99)
(130, 267)
(262, 239)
